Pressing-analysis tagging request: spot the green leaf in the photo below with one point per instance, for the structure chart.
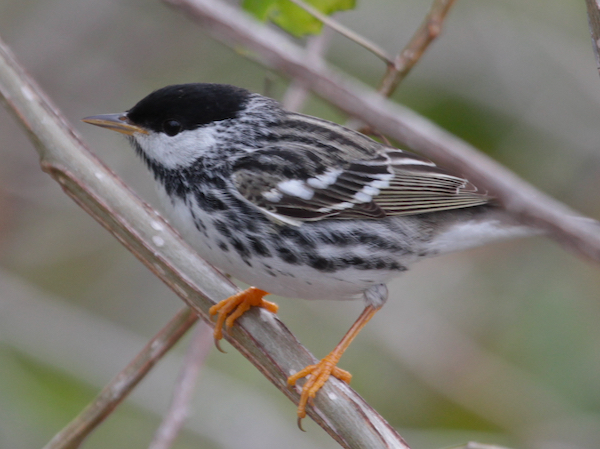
(292, 18)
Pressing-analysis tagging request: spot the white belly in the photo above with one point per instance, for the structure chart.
(269, 273)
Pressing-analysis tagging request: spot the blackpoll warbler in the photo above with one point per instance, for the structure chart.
(298, 206)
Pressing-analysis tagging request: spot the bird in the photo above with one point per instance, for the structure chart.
(298, 206)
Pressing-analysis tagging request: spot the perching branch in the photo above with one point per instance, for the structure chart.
(520, 199)
(258, 335)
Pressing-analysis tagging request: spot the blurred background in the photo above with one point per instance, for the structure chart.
(500, 344)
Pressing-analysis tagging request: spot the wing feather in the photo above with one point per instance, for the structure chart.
(315, 186)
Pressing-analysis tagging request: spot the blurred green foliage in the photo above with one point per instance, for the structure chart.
(291, 17)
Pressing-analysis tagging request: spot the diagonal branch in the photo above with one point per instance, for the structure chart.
(123, 383)
(258, 335)
(520, 199)
(429, 30)
(398, 67)
(593, 10)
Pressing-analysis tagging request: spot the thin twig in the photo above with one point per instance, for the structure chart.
(174, 419)
(428, 31)
(520, 199)
(258, 335)
(119, 388)
(345, 31)
(593, 10)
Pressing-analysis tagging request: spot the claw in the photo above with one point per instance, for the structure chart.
(300, 424)
(218, 345)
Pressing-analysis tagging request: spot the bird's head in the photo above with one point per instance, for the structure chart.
(175, 125)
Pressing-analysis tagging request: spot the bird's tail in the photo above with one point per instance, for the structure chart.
(489, 228)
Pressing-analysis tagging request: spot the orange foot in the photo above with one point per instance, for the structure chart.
(320, 372)
(235, 306)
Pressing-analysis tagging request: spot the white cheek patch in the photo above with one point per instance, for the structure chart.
(177, 151)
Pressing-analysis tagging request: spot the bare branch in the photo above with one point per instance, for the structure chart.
(593, 9)
(520, 199)
(416, 47)
(258, 335)
(123, 383)
(169, 428)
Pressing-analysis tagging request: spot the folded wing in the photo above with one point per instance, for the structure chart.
(297, 182)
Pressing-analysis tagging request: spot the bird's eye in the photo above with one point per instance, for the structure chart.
(171, 127)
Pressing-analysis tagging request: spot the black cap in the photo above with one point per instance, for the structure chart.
(190, 105)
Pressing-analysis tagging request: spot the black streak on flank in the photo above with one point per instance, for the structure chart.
(287, 256)
(240, 248)
(322, 264)
(258, 247)
(222, 228)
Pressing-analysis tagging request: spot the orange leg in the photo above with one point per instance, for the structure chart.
(320, 372)
(235, 306)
